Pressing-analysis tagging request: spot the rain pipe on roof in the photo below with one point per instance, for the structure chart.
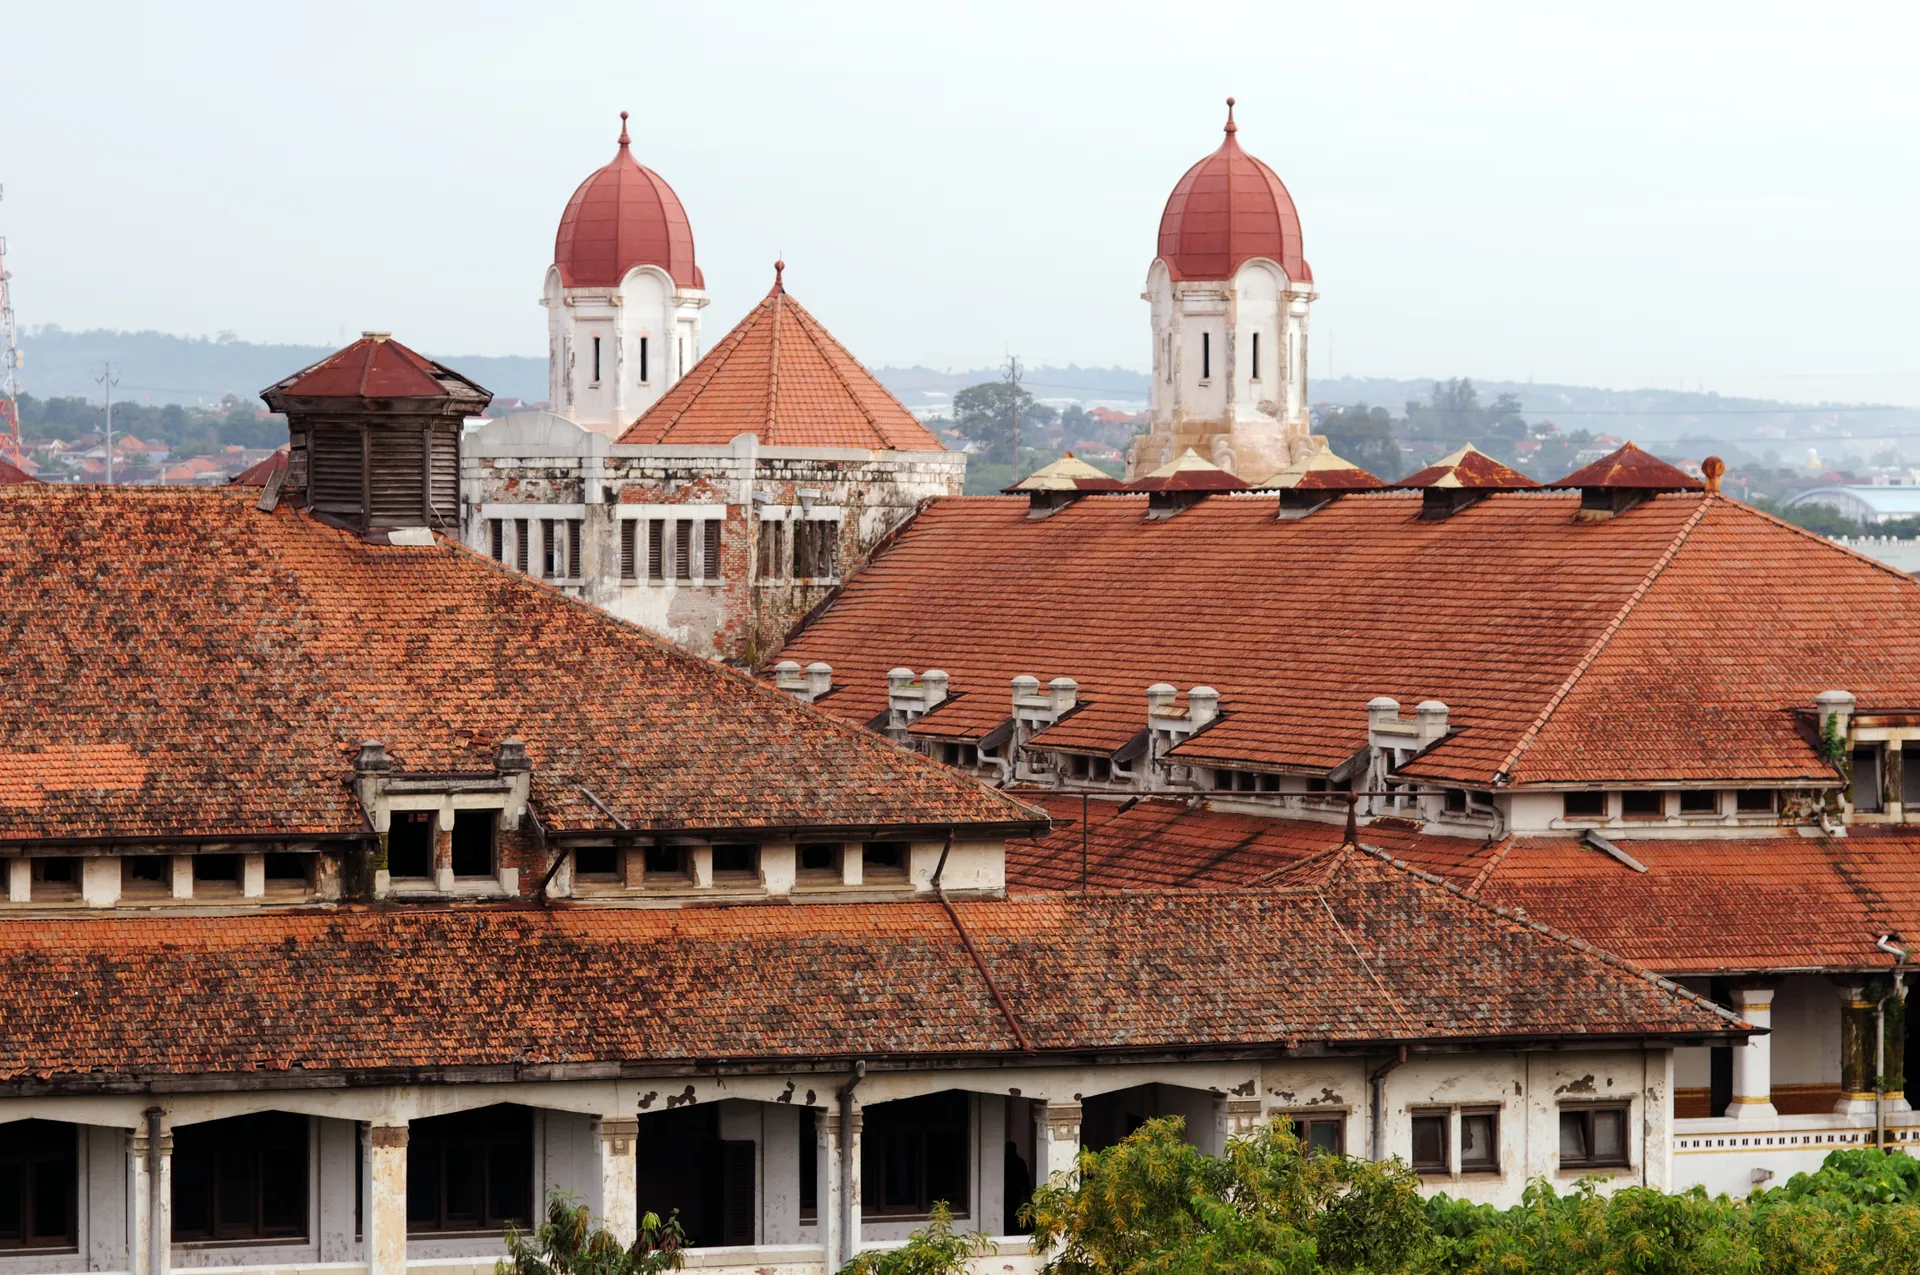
(1897, 991)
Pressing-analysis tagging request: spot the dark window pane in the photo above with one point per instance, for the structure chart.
(410, 844)
(216, 867)
(283, 1193)
(1573, 1137)
(915, 1151)
(1430, 1143)
(1586, 805)
(464, 1185)
(221, 1167)
(1324, 1135)
(596, 861)
(13, 1202)
(1642, 805)
(286, 867)
(150, 867)
(1610, 1137)
(809, 1162)
(53, 1190)
(233, 1186)
(509, 1186)
(733, 860)
(473, 843)
(819, 858)
(1751, 801)
(666, 860)
(884, 858)
(423, 1187)
(1694, 801)
(1479, 1141)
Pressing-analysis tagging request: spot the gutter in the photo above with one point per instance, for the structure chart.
(849, 1244)
(1377, 1096)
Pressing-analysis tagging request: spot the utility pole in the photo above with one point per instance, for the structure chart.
(9, 364)
(108, 380)
(1013, 409)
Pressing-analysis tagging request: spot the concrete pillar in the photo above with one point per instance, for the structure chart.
(1753, 1061)
(253, 876)
(1056, 1139)
(160, 1195)
(443, 850)
(1856, 1049)
(182, 876)
(19, 880)
(826, 1192)
(1895, 788)
(850, 1183)
(100, 880)
(386, 1208)
(619, 1203)
(139, 1199)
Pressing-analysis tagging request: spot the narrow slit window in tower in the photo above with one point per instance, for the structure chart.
(596, 360)
(1206, 356)
(1256, 356)
(643, 360)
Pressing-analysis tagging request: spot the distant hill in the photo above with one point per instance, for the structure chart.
(159, 367)
(925, 387)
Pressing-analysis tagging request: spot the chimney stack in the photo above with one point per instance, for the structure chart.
(1838, 704)
(934, 683)
(1430, 721)
(1203, 705)
(1064, 692)
(819, 680)
(512, 757)
(1160, 697)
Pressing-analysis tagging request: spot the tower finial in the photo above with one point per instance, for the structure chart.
(624, 139)
(779, 268)
(1230, 125)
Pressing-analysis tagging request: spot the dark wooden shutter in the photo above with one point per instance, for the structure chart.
(629, 527)
(656, 549)
(398, 477)
(683, 549)
(443, 476)
(711, 549)
(573, 549)
(498, 528)
(736, 1193)
(523, 532)
(333, 469)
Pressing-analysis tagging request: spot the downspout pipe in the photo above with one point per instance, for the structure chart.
(1377, 1095)
(1898, 989)
(849, 1243)
(159, 1241)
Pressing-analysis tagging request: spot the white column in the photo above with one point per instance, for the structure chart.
(182, 876)
(619, 1203)
(160, 1202)
(1753, 1061)
(1056, 1139)
(100, 880)
(826, 1191)
(386, 1209)
(253, 876)
(19, 880)
(140, 1197)
(850, 1182)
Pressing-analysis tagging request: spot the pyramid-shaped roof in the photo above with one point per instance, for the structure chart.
(780, 376)
(1321, 470)
(1069, 473)
(1632, 469)
(1468, 468)
(1189, 471)
(377, 367)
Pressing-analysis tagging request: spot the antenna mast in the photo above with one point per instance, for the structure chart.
(9, 363)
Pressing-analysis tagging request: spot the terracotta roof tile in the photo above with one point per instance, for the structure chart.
(1365, 952)
(1468, 468)
(781, 376)
(1632, 469)
(1675, 641)
(208, 669)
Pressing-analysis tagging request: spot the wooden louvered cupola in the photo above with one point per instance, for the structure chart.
(375, 436)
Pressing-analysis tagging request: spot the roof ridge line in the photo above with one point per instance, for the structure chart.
(1824, 540)
(810, 326)
(1601, 954)
(1600, 643)
(777, 297)
(677, 652)
(1498, 857)
(718, 355)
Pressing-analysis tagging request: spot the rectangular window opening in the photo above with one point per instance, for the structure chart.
(683, 549)
(1256, 356)
(1699, 801)
(473, 843)
(736, 861)
(1593, 1137)
(1643, 805)
(497, 538)
(216, 867)
(39, 1186)
(883, 859)
(1479, 1142)
(629, 531)
(471, 1172)
(820, 859)
(643, 360)
(1754, 801)
(596, 862)
(1430, 1143)
(521, 527)
(596, 360)
(242, 1178)
(656, 548)
(913, 1152)
(1585, 805)
(410, 845)
(667, 864)
(288, 869)
(1320, 1135)
(710, 549)
(573, 548)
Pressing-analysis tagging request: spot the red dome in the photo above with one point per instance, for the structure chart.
(623, 216)
(1230, 207)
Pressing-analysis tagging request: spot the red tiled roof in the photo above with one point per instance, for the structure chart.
(212, 670)
(257, 474)
(782, 377)
(1468, 468)
(11, 473)
(1674, 641)
(376, 366)
(1165, 843)
(1225, 209)
(1633, 469)
(1708, 906)
(624, 215)
(1364, 952)
(1188, 472)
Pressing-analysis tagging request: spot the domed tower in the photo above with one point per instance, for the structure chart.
(1229, 291)
(623, 296)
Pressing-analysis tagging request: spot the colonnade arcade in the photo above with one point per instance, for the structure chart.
(374, 1178)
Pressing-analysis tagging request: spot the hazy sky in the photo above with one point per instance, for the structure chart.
(1619, 194)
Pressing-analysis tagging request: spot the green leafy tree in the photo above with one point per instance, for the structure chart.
(984, 414)
(567, 1243)
(1154, 1205)
(1363, 435)
(1821, 519)
(935, 1249)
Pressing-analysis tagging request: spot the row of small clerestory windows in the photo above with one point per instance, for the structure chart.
(1651, 803)
(668, 548)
